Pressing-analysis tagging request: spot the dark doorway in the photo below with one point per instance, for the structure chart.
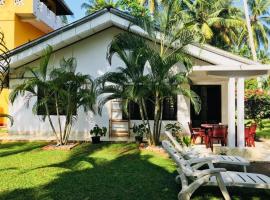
(211, 105)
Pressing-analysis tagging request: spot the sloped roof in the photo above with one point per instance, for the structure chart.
(100, 21)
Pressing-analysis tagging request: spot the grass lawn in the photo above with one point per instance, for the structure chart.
(94, 172)
(265, 132)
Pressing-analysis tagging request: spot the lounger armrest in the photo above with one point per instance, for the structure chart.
(209, 172)
(200, 160)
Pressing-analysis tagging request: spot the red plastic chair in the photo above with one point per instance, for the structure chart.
(247, 136)
(219, 133)
(195, 133)
(253, 128)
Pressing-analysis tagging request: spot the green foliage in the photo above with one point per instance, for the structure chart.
(61, 87)
(257, 106)
(95, 5)
(177, 131)
(149, 67)
(175, 128)
(217, 20)
(97, 131)
(140, 130)
(251, 84)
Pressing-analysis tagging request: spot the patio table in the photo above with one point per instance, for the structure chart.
(208, 128)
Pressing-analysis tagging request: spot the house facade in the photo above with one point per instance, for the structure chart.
(218, 77)
(22, 21)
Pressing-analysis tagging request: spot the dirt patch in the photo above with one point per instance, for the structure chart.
(155, 149)
(67, 147)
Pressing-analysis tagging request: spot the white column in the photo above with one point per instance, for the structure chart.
(231, 112)
(241, 112)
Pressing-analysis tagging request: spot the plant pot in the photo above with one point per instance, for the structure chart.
(139, 139)
(96, 139)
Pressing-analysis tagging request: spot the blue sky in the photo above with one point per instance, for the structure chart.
(75, 6)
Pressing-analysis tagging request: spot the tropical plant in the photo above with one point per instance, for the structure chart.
(96, 5)
(71, 91)
(134, 83)
(97, 131)
(257, 106)
(260, 19)
(152, 5)
(175, 128)
(140, 130)
(59, 91)
(4, 71)
(217, 20)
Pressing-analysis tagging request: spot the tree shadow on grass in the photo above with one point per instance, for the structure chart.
(130, 176)
(12, 148)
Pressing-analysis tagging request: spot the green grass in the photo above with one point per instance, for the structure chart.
(265, 132)
(94, 172)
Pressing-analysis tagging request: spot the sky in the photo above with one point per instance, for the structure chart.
(75, 6)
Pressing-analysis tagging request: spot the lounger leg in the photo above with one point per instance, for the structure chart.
(188, 190)
(245, 169)
(222, 187)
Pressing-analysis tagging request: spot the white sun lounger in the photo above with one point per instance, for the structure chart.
(191, 178)
(231, 160)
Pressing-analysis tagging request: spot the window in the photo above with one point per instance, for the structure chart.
(169, 110)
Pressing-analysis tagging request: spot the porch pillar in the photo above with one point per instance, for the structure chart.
(231, 112)
(241, 112)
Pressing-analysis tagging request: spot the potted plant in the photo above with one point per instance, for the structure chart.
(139, 131)
(176, 130)
(96, 133)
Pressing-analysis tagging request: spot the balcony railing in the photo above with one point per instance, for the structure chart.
(43, 13)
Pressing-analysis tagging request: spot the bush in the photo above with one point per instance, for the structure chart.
(257, 106)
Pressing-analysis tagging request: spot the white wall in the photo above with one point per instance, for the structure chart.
(91, 59)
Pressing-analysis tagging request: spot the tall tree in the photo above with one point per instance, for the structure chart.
(260, 20)
(163, 79)
(217, 20)
(59, 92)
(151, 4)
(96, 5)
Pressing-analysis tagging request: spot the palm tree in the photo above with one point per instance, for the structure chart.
(59, 91)
(74, 91)
(217, 20)
(161, 82)
(96, 5)
(152, 4)
(260, 19)
(40, 80)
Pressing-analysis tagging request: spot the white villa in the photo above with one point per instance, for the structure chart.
(216, 75)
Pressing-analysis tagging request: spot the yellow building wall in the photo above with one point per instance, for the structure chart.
(25, 32)
(4, 104)
(16, 33)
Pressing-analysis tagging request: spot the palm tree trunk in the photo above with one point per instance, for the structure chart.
(250, 34)
(59, 120)
(155, 140)
(147, 120)
(51, 123)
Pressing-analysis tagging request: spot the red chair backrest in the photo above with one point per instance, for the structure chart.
(219, 131)
(253, 128)
(247, 132)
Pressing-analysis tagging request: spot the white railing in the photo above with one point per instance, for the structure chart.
(2, 2)
(43, 13)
